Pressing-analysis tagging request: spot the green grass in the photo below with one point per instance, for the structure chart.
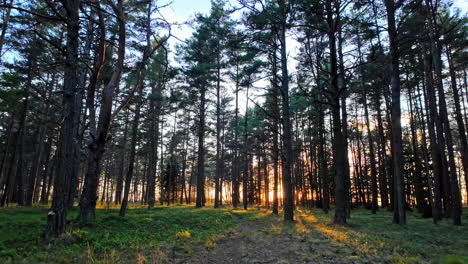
(419, 241)
(142, 234)
(159, 234)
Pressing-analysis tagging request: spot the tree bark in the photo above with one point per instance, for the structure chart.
(218, 129)
(453, 192)
(275, 130)
(459, 119)
(57, 215)
(399, 213)
(99, 137)
(155, 112)
(200, 200)
(338, 139)
(131, 159)
(288, 197)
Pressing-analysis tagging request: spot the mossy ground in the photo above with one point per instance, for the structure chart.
(165, 233)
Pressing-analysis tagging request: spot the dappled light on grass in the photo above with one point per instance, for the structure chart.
(333, 232)
(250, 214)
(361, 242)
(114, 206)
(374, 234)
(154, 235)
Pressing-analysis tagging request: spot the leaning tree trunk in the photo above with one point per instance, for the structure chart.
(99, 137)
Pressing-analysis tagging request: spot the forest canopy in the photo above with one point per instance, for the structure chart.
(287, 105)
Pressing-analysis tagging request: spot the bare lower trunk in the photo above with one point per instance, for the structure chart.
(200, 202)
(131, 159)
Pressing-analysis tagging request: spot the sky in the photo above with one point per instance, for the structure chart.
(185, 10)
(180, 11)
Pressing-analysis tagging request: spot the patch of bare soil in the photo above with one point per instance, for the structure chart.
(265, 241)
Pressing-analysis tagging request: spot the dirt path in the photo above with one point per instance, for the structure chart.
(262, 241)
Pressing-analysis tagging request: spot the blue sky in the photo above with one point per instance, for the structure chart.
(181, 11)
(184, 10)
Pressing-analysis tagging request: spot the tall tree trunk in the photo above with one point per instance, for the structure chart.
(121, 166)
(459, 118)
(99, 134)
(371, 157)
(155, 112)
(275, 129)
(245, 174)
(369, 137)
(288, 197)
(37, 162)
(344, 118)
(417, 169)
(382, 158)
(57, 215)
(79, 108)
(20, 187)
(399, 213)
(420, 115)
(218, 129)
(131, 159)
(46, 175)
(435, 148)
(454, 196)
(8, 146)
(266, 177)
(236, 169)
(322, 159)
(200, 202)
(338, 139)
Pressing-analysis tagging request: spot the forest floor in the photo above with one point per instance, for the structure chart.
(183, 234)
